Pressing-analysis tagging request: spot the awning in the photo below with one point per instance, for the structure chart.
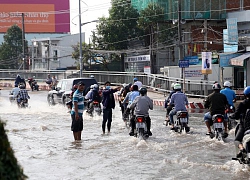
(239, 60)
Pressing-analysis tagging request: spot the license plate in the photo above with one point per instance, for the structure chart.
(218, 125)
(97, 109)
(183, 120)
(140, 125)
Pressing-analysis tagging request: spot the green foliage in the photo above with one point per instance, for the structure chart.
(11, 48)
(115, 31)
(9, 167)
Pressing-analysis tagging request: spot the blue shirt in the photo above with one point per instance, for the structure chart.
(79, 98)
(230, 94)
(179, 100)
(130, 97)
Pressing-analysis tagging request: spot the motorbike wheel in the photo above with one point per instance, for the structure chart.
(50, 100)
(140, 134)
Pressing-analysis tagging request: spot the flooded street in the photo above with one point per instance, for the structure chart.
(44, 146)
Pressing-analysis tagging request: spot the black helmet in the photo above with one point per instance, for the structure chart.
(21, 86)
(134, 88)
(216, 86)
(143, 91)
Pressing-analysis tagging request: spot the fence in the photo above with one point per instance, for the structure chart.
(157, 82)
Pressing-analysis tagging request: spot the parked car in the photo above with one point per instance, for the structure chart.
(60, 94)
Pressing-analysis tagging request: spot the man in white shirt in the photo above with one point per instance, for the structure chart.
(138, 83)
(15, 91)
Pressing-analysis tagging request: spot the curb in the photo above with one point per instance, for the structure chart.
(9, 85)
(192, 105)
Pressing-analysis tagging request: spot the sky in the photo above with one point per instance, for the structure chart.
(91, 10)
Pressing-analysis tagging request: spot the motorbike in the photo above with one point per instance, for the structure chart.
(181, 122)
(23, 103)
(218, 126)
(231, 122)
(141, 127)
(33, 84)
(12, 98)
(245, 155)
(126, 117)
(95, 107)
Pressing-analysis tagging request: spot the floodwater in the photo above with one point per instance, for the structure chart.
(44, 146)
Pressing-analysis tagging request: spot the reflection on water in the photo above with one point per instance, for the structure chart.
(44, 146)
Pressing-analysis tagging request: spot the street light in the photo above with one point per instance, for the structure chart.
(80, 32)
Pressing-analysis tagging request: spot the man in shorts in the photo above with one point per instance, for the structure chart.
(77, 111)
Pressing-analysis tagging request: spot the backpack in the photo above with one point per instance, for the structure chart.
(246, 120)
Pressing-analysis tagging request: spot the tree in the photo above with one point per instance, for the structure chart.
(11, 49)
(86, 54)
(114, 32)
(151, 20)
(9, 167)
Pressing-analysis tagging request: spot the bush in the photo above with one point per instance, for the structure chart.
(9, 167)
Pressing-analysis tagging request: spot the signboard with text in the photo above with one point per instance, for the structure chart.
(206, 66)
(183, 63)
(40, 16)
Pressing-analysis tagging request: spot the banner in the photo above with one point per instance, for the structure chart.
(206, 66)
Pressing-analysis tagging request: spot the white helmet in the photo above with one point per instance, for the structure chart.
(92, 86)
(227, 84)
(177, 86)
(95, 86)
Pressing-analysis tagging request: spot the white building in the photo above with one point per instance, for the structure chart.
(54, 53)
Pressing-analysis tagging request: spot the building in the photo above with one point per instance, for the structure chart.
(54, 53)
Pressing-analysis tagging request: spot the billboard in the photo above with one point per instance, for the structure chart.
(40, 16)
(206, 67)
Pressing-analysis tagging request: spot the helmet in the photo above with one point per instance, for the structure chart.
(227, 84)
(177, 86)
(216, 86)
(92, 86)
(135, 79)
(21, 86)
(75, 86)
(92, 76)
(95, 86)
(134, 88)
(247, 91)
(172, 85)
(143, 91)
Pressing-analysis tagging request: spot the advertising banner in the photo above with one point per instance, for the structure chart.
(206, 67)
(40, 16)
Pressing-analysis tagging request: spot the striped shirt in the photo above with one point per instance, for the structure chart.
(79, 98)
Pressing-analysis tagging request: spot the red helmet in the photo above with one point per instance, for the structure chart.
(75, 86)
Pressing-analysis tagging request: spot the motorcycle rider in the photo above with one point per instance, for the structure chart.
(141, 106)
(130, 98)
(244, 125)
(125, 90)
(229, 93)
(14, 92)
(179, 100)
(33, 84)
(22, 95)
(87, 96)
(94, 96)
(70, 103)
(19, 81)
(216, 103)
(167, 100)
(137, 82)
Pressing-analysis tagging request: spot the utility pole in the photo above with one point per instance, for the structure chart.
(80, 45)
(205, 47)
(180, 43)
(48, 53)
(23, 40)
